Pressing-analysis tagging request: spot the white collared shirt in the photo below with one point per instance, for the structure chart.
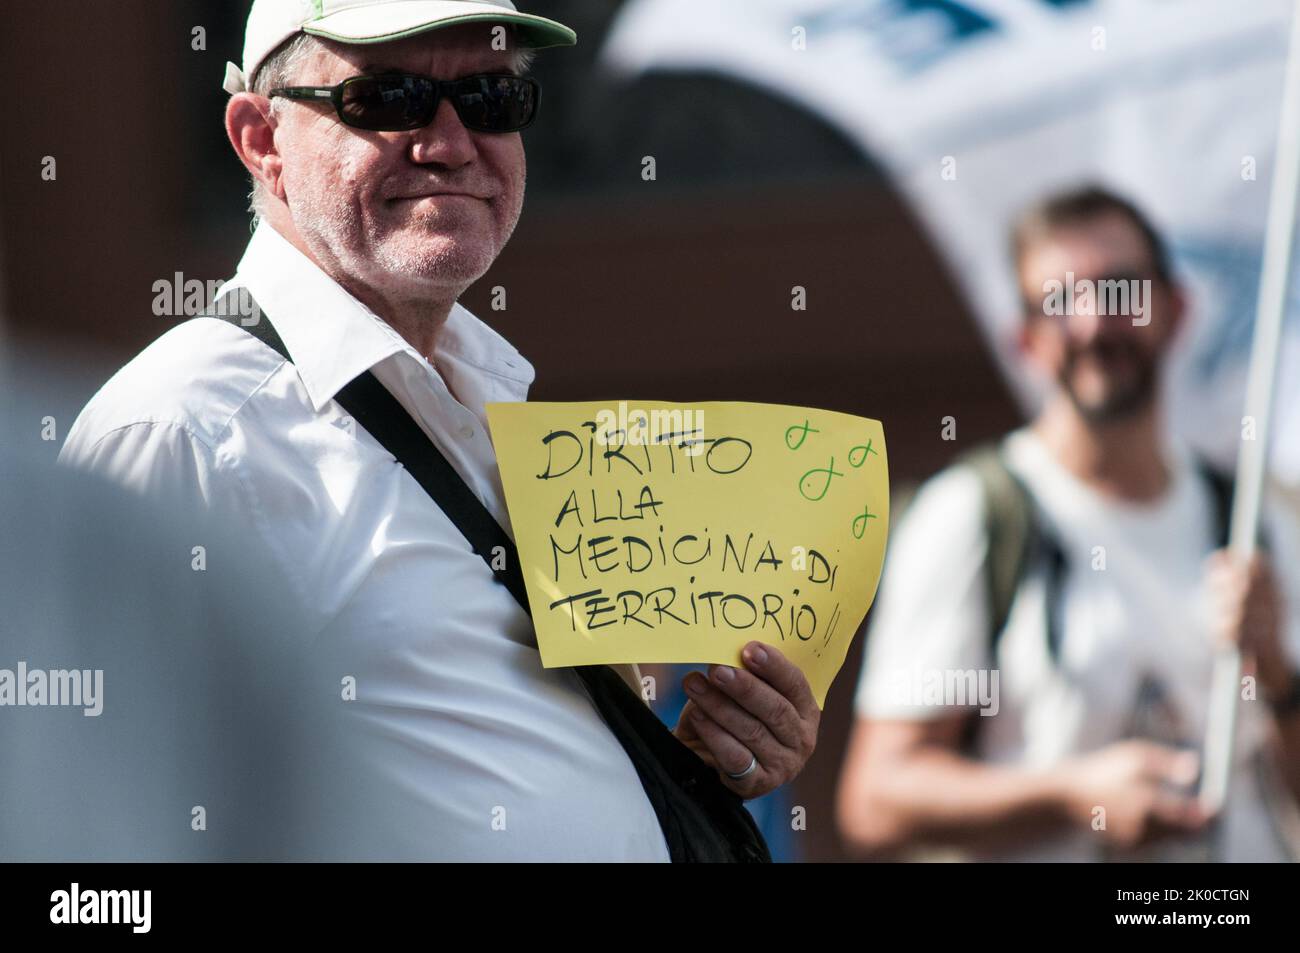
(486, 755)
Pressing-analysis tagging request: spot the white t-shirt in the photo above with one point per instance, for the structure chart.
(1133, 621)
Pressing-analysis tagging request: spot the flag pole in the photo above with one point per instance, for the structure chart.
(1252, 461)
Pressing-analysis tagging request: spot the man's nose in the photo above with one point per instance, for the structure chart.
(445, 141)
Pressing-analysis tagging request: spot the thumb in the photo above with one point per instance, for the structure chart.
(1172, 765)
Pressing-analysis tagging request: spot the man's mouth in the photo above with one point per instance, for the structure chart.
(439, 195)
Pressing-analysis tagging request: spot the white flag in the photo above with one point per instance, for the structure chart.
(1172, 104)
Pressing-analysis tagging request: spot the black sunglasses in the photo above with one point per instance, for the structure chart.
(393, 102)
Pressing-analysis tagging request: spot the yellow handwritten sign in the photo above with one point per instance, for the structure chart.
(656, 532)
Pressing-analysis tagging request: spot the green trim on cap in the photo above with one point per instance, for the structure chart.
(319, 7)
(534, 29)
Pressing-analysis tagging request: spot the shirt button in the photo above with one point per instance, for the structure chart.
(467, 431)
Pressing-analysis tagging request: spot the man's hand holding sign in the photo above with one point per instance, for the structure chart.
(746, 535)
(757, 726)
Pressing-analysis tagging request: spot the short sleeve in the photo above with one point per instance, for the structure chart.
(931, 611)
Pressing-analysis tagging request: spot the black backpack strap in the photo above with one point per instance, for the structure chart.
(1221, 486)
(702, 820)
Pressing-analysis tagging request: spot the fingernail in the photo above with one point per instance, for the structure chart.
(757, 654)
(695, 684)
(724, 674)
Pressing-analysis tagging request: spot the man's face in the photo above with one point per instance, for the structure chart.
(406, 213)
(1107, 364)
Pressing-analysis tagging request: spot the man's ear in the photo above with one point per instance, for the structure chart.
(1022, 337)
(1177, 315)
(250, 126)
(1026, 337)
(1032, 342)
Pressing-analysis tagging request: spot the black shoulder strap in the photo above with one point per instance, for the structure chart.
(1221, 486)
(379, 414)
(701, 819)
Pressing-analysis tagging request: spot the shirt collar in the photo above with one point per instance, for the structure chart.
(334, 338)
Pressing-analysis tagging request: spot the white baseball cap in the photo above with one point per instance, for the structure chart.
(271, 22)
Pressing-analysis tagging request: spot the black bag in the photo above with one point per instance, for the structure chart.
(702, 820)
